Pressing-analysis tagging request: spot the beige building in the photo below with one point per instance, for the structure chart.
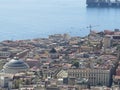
(111, 40)
(107, 41)
(95, 76)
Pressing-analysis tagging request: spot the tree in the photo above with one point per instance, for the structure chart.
(76, 64)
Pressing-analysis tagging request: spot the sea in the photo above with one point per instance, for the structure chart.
(29, 19)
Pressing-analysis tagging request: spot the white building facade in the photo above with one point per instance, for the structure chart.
(95, 76)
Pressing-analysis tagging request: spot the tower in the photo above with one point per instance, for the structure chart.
(118, 52)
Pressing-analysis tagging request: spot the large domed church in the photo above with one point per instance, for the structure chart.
(15, 66)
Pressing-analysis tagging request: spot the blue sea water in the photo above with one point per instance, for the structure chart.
(27, 19)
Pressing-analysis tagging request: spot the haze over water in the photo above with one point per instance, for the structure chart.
(27, 19)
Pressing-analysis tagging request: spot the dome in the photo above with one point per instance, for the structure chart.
(53, 50)
(15, 66)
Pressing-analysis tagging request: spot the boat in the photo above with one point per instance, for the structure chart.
(103, 3)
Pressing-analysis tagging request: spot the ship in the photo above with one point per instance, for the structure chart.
(103, 3)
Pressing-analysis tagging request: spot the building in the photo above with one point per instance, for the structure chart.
(22, 53)
(52, 88)
(54, 54)
(107, 41)
(56, 36)
(94, 76)
(6, 80)
(5, 54)
(86, 49)
(115, 40)
(15, 66)
(62, 74)
(111, 40)
(27, 87)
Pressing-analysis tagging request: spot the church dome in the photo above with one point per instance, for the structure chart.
(15, 66)
(53, 50)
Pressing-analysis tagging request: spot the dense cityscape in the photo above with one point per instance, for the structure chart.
(62, 62)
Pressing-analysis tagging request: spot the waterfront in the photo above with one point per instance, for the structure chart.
(24, 19)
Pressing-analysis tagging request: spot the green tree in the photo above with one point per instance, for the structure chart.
(76, 64)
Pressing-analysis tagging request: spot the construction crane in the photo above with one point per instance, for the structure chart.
(83, 28)
(90, 27)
